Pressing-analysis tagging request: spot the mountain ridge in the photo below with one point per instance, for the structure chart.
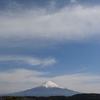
(47, 89)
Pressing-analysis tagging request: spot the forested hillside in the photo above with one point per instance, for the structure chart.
(75, 97)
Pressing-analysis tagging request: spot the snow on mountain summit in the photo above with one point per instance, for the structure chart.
(50, 84)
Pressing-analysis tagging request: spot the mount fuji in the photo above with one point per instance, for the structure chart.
(47, 89)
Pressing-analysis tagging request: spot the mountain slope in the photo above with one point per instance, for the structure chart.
(47, 89)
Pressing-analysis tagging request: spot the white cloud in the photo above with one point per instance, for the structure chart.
(69, 23)
(21, 79)
(52, 5)
(80, 82)
(18, 79)
(19, 75)
(28, 60)
(73, 1)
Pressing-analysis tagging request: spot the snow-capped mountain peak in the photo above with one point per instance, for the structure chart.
(47, 89)
(50, 84)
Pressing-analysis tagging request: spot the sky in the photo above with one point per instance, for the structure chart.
(50, 40)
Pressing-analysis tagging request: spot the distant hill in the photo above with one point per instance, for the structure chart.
(75, 97)
(86, 96)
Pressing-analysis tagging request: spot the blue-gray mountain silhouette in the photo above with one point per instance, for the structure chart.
(47, 89)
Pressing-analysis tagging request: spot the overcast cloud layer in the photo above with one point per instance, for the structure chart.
(69, 23)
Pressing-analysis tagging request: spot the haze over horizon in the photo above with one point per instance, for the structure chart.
(56, 40)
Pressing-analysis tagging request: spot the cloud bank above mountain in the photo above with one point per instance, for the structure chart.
(68, 23)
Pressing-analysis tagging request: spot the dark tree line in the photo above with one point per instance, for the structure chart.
(75, 97)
